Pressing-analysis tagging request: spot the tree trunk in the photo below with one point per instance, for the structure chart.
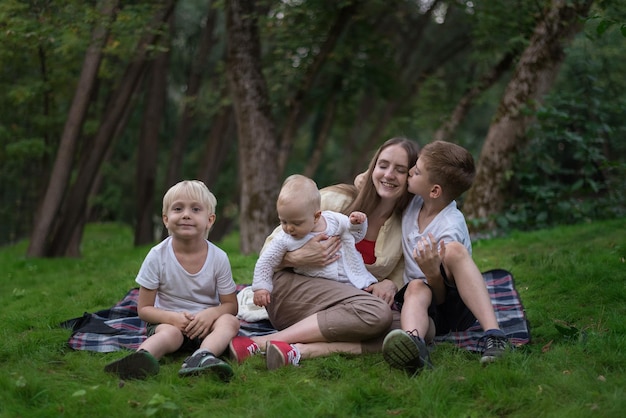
(76, 201)
(321, 138)
(194, 83)
(534, 75)
(258, 171)
(147, 152)
(221, 140)
(59, 177)
(218, 144)
(297, 101)
(459, 113)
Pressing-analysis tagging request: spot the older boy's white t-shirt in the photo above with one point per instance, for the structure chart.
(178, 290)
(449, 225)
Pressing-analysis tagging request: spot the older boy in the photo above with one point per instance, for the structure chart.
(444, 289)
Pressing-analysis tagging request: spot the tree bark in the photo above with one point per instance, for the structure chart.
(194, 83)
(258, 171)
(147, 152)
(297, 101)
(534, 76)
(76, 201)
(60, 175)
(219, 143)
(321, 138)
(459, 113)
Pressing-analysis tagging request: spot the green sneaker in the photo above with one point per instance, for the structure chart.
(204, 362)
(137, 365)
(403, 350)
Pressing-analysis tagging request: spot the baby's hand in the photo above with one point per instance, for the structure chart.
(357, 218)
(261, 297)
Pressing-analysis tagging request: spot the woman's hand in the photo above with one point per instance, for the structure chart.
(385, 289)
(319, 251)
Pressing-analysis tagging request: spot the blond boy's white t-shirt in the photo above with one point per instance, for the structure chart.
(179, 290)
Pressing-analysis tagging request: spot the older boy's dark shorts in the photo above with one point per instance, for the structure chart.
(451, 315)
(188, 343)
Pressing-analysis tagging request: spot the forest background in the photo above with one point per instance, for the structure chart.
(107, 103)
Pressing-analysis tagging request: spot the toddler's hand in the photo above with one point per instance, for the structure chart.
(357, 218)
(261, 297)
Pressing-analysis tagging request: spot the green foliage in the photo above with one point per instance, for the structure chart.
(565, 174)
(558, 374)
(573, 166)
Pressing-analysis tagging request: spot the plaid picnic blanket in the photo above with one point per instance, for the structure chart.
(120, 328)
(509, 311)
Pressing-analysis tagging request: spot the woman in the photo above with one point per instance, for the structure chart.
(317, 317)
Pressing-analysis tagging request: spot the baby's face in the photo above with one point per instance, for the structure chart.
(296, 219)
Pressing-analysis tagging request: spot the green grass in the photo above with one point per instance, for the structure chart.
(572, 280)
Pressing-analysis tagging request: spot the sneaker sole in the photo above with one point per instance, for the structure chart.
(401, 352)
(134, 366)
(274, 358)
(223, 370)
(232, 353)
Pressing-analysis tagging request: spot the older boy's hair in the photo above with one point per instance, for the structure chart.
(302, 188)
(190, 189)
(449, 165)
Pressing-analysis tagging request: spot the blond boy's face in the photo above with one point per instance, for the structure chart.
(188, 219)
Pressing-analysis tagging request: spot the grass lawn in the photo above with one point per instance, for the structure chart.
(572, 281)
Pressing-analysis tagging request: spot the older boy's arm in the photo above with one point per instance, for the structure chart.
(203, 321)
(153, 315)
(429, 254)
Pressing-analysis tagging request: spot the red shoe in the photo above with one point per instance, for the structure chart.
(240, 348)
(279, 354)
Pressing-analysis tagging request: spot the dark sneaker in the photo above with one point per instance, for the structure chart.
(403, 350)
(495, 347)
(279, 354)
(240, 348)
(206, 362)
(138, 365)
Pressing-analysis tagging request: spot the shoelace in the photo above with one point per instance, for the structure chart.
(493, 341)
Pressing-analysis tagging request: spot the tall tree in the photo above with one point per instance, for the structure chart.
(147, 151)
(258, 173)
(59, 178)
(194, 83)
(76, 201)
(534, 75)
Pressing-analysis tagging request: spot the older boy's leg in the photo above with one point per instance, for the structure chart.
(406, 348)
(469, 281)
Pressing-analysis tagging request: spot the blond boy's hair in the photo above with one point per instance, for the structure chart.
(190, 189)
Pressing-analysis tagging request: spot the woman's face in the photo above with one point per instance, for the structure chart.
(391, 172)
